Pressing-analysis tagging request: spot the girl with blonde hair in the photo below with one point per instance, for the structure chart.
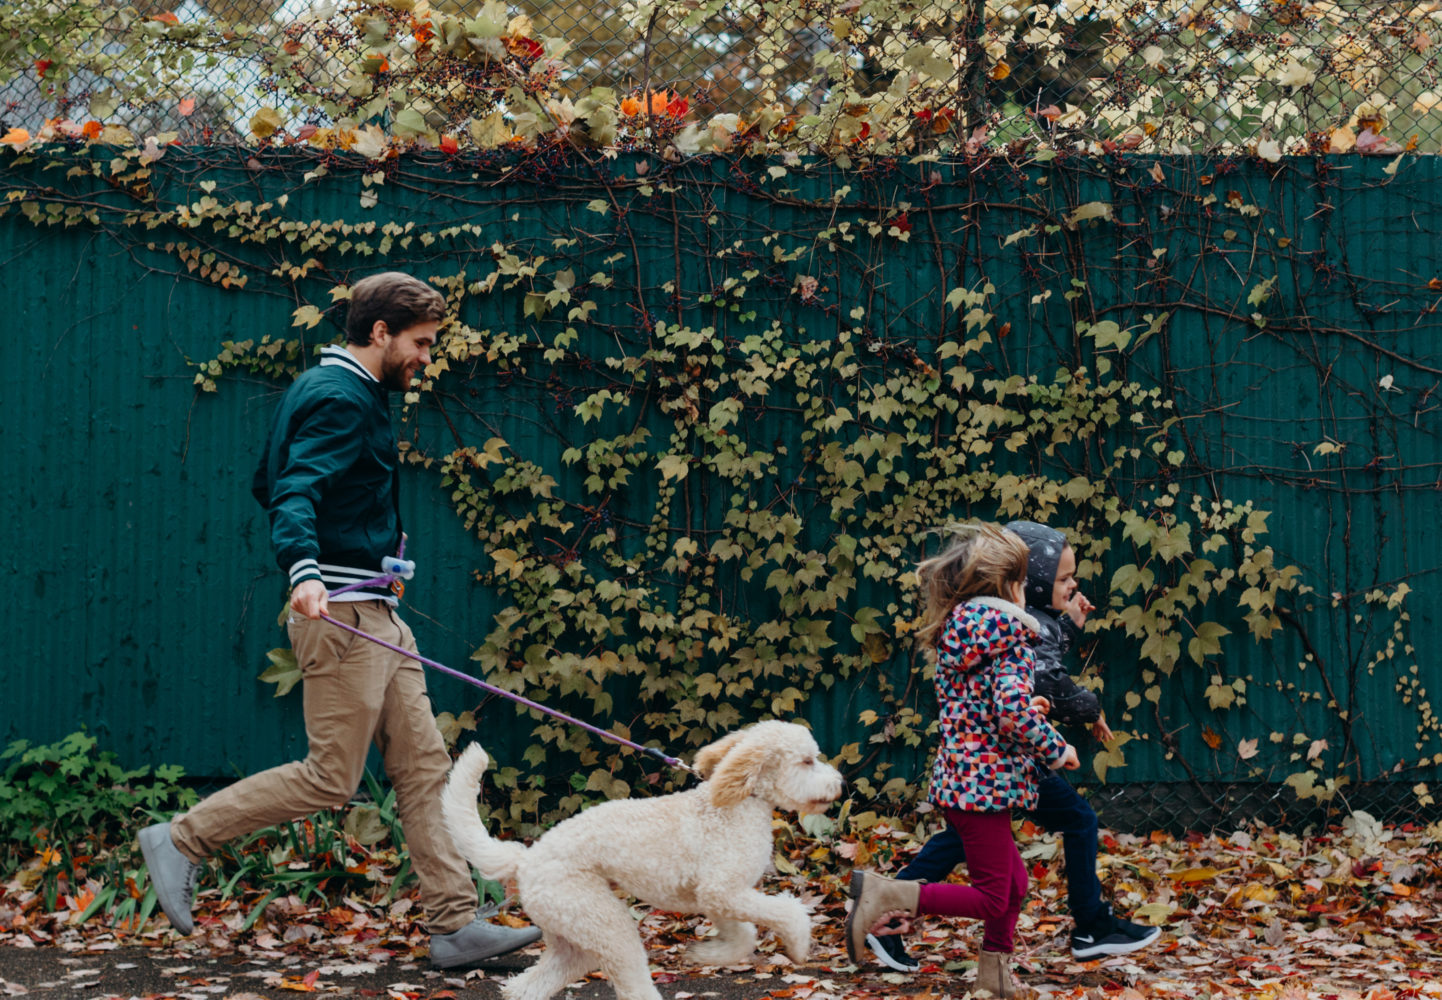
(975, 623)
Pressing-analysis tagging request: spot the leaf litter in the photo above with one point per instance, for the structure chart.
(1350, 913)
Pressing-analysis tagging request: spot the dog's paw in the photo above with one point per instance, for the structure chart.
(798, 950)
(715, 951)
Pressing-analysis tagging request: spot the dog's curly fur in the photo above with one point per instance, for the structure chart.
(699, 851)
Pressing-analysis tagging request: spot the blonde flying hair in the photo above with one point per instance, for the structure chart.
(983, 560)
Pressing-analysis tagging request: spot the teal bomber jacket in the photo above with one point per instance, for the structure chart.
(328, 476)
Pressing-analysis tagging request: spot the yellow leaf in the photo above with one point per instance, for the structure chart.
(1260, 892)
(490, 131)
(1154, 914)
(1196, 875)
(265, 122)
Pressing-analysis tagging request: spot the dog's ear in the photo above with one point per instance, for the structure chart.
(711, 754)
(735, 777)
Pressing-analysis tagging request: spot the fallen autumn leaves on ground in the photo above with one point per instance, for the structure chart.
(1351, 913)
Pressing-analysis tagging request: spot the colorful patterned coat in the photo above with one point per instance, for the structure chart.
(990, 734)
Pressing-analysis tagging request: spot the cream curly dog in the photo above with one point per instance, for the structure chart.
(699, 851)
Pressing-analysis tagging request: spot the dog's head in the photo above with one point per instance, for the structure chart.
(777, 762)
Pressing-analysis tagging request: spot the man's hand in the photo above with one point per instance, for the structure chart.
(309, 598)
(1078, 607)
(1101, 732)
(1069, 761)
(1041, 704)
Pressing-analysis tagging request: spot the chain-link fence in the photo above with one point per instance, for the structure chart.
(1179, 807)
(1269, 76)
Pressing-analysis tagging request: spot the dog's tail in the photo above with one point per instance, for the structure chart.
(496, 859)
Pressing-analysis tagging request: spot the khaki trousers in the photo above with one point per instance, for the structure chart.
(354, 691)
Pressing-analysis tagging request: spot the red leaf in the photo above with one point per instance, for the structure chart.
(449, 145)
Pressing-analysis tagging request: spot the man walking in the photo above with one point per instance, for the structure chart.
(328, 481)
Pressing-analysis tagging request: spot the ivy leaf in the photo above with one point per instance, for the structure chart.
(265, 123)
(508, 561)
(1109, 334)
(308, 316)
(490, 131)
(1208, 641)
(364, 823)
(1091, 210)
(1111, 757)
(1220, 695)
(283, 672)
(1262, 292)
(673, 466)
(1128, 578)
(409, 122)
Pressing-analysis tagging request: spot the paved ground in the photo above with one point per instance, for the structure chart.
(165, 972)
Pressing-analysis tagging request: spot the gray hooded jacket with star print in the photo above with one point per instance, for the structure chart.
(1071, 704)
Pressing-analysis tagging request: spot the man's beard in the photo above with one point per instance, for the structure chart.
(395, 375)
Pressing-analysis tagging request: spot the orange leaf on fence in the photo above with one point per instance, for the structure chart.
(167, 18)
(1211, 738)
(186, 107)
(16, 137)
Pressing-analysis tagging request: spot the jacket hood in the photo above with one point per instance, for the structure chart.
(1044, 547)
(987, 626)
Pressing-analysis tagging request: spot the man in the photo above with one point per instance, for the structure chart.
(328, 481)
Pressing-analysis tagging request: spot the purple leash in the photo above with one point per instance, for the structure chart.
(397, 568)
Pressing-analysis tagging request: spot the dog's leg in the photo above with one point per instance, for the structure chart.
(783, 914)
(583, 910)
(561, 963)
(734, 944)
(606, 930)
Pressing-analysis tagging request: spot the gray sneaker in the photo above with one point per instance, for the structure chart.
(172, 874)
(478, 941)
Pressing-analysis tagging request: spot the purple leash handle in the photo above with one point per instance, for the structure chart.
(434, 665)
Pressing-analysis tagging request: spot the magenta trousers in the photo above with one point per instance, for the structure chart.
(998, 878)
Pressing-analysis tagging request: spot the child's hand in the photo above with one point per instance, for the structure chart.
(1101, 731)
(1042, 704)
(1069, 761)
(1078, 607)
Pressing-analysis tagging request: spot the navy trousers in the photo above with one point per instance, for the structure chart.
(1059, 809)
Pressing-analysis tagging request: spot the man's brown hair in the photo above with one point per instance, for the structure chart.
(398, 300)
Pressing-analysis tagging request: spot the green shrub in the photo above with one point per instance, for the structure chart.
(69, 799)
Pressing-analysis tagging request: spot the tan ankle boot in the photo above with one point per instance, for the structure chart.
(876, 898)
(993, 974)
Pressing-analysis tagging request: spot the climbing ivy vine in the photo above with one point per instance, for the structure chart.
(702, 418)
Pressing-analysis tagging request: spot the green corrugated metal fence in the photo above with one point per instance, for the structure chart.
(144, 596)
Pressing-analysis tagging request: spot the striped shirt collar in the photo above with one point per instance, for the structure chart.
(334, 354)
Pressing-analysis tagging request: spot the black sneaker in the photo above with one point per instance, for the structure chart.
(1115, 936)
(890, 951)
